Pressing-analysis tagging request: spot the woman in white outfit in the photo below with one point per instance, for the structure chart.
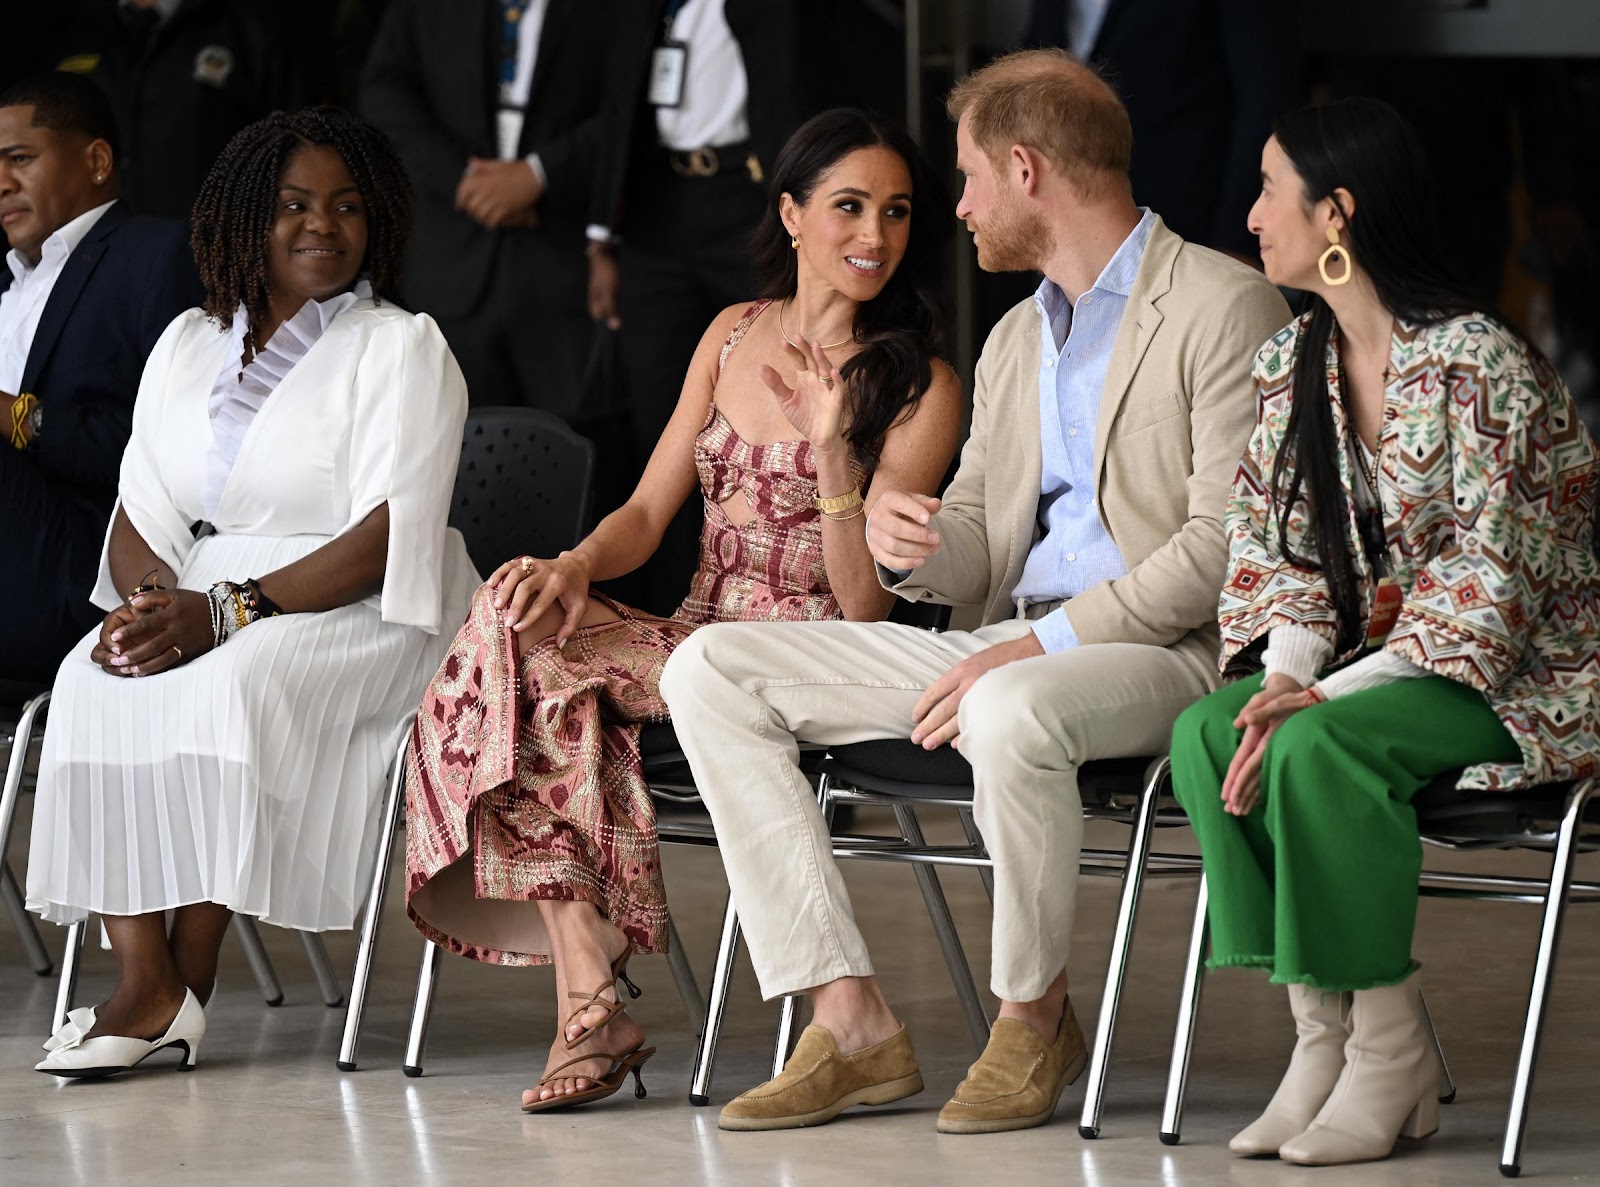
(276, 575)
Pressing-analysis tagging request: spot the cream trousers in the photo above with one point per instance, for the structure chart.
(742, 694)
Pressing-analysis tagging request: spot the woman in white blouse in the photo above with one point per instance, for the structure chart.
(275, 574)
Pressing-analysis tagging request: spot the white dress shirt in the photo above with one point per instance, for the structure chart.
(22, 305)
(1084, 18)
(715, 87)
(165, 9)
(514, 94)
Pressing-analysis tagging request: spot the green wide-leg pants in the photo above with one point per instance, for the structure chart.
(1318, 884)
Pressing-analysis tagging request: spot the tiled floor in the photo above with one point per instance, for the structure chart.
(268, 1106)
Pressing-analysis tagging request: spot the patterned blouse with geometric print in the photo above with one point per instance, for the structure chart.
(1487, 477)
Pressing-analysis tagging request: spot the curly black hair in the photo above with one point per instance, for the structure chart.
(238, 204)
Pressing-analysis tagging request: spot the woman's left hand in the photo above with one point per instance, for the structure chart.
(174, 626)
(1260, 719)
(815, 404)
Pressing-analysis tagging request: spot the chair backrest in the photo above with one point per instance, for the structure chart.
(525, 485)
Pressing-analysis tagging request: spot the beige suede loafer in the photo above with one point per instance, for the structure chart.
(1017, 1080)
(819, 1082)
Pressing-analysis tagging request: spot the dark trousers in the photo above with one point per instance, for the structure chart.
(50, 552)
(685, 257)
(529, 339)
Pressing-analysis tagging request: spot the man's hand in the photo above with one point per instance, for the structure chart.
(499, 193)
(603, 281)
(898, 534)
(935, 714)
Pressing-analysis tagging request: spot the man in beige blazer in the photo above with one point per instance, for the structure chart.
(1109, 415)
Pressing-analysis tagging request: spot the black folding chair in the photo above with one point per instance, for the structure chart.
(1557, 818)
(22, 707)
(524, 485)
(906, 778)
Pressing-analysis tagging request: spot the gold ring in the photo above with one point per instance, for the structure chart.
(179, 650)
(827, 380)
(527, 564)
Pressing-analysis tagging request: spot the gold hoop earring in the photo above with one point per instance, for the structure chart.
(1335, 250)
(794, 242)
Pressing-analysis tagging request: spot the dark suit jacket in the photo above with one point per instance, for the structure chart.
(181, 93)
(432, 84)
(1203, 81)
(117, 293)
(794, 63)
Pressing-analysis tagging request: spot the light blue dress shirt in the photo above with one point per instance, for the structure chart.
(1074, 551)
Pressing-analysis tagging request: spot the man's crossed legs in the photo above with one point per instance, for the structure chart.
(742, 694)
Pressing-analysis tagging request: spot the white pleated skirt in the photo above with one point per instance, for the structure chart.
(251, 776)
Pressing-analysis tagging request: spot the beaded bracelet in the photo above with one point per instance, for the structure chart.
(235, 606)
(20, 408)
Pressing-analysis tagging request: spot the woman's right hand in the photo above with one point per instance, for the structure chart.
(1259, 719)
(102, 653)
(525, 588)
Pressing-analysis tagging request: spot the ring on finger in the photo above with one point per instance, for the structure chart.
(179, 650)
(526, 563)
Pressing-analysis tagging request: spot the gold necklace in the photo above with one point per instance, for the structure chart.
(796, 345)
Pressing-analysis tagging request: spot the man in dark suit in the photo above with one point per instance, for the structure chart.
(183, 76)
(682, 184)
(87, 289)
(495, 109)
(1202, 81)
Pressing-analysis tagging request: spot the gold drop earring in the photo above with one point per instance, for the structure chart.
(1336, 250)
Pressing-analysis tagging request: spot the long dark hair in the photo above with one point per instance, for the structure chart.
(902, 329)
(1366, 147)
(237, 204)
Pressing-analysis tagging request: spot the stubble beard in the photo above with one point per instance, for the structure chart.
(1015, 239)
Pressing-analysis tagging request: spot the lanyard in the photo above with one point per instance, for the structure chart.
(674, 7)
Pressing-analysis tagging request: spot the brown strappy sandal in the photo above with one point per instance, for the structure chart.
(615, 1078)
(590, 1001)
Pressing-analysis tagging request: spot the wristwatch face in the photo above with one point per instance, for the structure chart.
(35, 421)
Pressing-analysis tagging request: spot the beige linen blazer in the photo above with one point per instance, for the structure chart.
(1175, 415)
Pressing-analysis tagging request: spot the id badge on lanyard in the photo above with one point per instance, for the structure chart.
(669, 64)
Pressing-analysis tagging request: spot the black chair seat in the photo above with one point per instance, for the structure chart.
(895, 766)
(1443, 808)
(658, 740)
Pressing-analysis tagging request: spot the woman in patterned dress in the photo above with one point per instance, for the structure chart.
(1411, 536)
(531, 831)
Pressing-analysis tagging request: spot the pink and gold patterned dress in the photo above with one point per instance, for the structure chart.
(524, 782)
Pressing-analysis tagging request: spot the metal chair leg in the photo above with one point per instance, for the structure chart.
(67, 987)
(1555, 904)
(1121, 941)
(1188, 1014)
(327, 982)
(975, 839)
(783, 1044)
(694, 1003)
(422, 1008)
(388, 827)
(705, 1052)
(16, 764)
(1447, 1084)
(260, 963)
(32, 944)
(944, 927)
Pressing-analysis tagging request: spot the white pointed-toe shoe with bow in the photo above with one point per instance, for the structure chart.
(72, 1053)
